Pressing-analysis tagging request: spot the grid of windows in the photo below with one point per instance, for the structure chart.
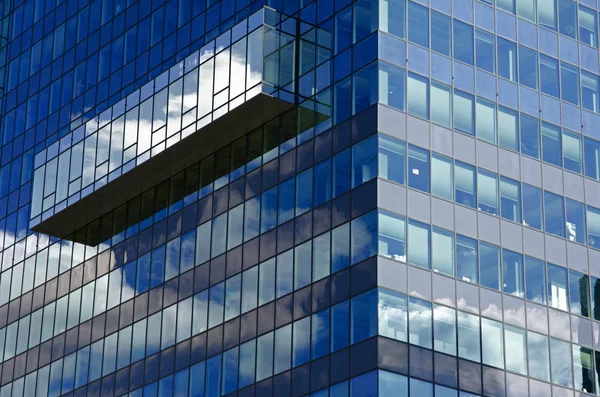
(425, 222)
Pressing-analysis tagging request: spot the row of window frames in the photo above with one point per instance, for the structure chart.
(387, 313)
(506, 54)
(388, 243)
(293, 273)
(476, 188)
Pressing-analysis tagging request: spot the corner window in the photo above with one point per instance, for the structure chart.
(392, 236)
(392, 159)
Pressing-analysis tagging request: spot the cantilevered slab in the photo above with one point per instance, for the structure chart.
(211, 137)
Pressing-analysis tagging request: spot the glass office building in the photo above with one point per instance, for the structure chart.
(283, 198)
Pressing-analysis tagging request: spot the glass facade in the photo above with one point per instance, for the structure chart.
(299, 198)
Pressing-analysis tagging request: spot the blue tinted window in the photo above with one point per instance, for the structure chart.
(304, 194)
(532, 207)
(364, 385)
(341, 173)
(392, 159)
(364, 237)
(530, 136)
(418, 168)
(567, 11)
(572, 151)
(418, 24)
(549, 76)
(464, 112)
(392, 85)
(322, 188)
(528, 62)
(590, 88)
(569, 77)
(507, 59)
(393, 17)
(392, 385)
(535, 275)
(551, 144)
(419, 241)
(363, 90)
(363, 316)
(463, 42)
(418, 95)
(467, 259)
(554, 214)
(512, 272)
(490, 266)
(464, 188)
(575, 212)
(364, 161)
(510, 199)
(440, 33)
(592, 158)
(486, 50)
(340, 331)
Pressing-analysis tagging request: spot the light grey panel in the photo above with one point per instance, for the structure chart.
(489, 228)
(417, 132)
(556, 251)
(558, 391)
(592, 192)
(531, 171)
(596, 335)
(508, 163)
(487, 156)
(391, 197)
(552, 179)
(467, 297)
(441, 140)
(490, 304)
(537, 317)
(581, 331)
(594, 262)
(391, 122)
(419, 283)
(514, 311)
(516, 386)
(464, 148)
(539, 389)
(512, 236)
(444, 290)
(466, 221)
(533, 243)
(559, 324)
(391, 274)
(419, 206)
(577, 257)
(442, 213)
(574, 186)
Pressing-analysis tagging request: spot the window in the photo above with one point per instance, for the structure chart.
(532, 207)
(490, 265)
(588, 29)
(575, 221)
(590, 87)
(551, 144)
(363, 316)
(512, 272)
(560, 358)
(510, 199)
(442, 251)
(593, 224)
(528, 62)
(554, 214)
(444, 329)
(418, 95)
(464, 179)
(530, 136)
(392, 236)
(365, 19)
(567, 11)
(341, 173)
(508, 131)
(364, 161)
(363, 88)
(579, 286)
(492, 343)
(419, 331)
(526, 9)
(535, 275)
(569, 79)
(547, 13)
(514, 339)
(340, 247)
(557, 287)
(486, 50)
(583, 369)
(302, 265)
(322, 183)
(364, 237)
(418, 24)
(441, 176)
(339, 326)
(392, 16)
(392, 159)
(393, 312)
(506, 5)
(469, 346)
(486, 121)
(592, 158)
(463, 42)
(572, 151)
(440, 33)
(301, 342)
(418, 168)
(487, 192)
(467, 266)
(464, 112)
(507, 59)
(391, 385)
(549, 75)
(321, 256)
(418, 244)
(392, 85)
(441, 104)
(539, 358)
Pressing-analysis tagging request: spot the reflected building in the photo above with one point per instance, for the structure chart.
(317, 198)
